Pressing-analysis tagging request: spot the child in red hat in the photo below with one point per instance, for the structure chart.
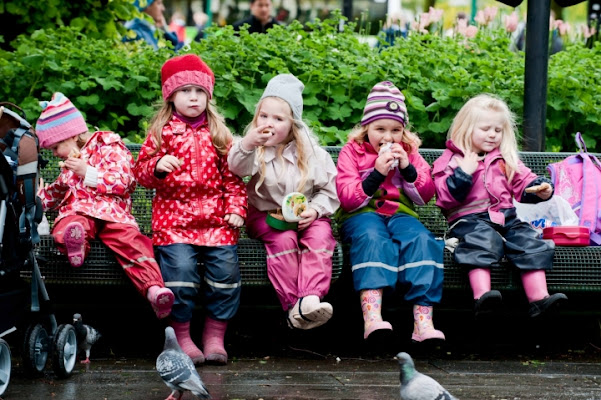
(93, 197)
(199, 205)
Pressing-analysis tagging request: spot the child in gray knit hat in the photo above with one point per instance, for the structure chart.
(286, 166)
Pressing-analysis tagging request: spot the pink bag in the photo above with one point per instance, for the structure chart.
(578, 180)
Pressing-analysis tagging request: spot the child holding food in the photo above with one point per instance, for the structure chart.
(381, 177)
(476, 179)
(93, 197)
(291, 194)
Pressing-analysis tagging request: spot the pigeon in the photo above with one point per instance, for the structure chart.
(417, 386)
(86, 336)
(177, 370)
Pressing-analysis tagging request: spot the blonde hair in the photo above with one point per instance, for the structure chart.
(221, 135)
(82, 139)
(300, 133)
(410, 140)
(471, 113)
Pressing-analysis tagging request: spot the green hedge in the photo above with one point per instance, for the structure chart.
(116, 85)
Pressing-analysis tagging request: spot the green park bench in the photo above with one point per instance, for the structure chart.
(575, 269)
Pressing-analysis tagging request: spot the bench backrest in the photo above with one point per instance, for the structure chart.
(429, 214)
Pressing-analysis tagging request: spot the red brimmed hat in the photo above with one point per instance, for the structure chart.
(186, 70)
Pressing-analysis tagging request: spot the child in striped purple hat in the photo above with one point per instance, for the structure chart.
(93, 196)
(381, 177)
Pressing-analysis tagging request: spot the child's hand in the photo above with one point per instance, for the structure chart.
(79, 166)
(168, 163)
(41, 186)
(308, 216)
(400, 154)
(257, 137)
(469, 162)
(544, 190)
(385, 160)
(234, 220)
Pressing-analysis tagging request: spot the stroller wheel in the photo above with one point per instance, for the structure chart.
(64, 351)
(4, 366)
(35, 350)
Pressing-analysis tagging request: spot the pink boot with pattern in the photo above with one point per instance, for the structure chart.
(75, 242)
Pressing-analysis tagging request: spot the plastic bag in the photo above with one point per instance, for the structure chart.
(554, 212)
(44, 227)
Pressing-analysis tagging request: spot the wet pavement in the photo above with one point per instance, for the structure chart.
(286, 378)
(509, 357)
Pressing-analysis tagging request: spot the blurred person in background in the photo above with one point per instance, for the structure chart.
(147, 31)
(260, 19)
(200, 19)
(178, 26)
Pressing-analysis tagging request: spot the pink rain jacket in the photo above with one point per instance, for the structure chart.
(356, 161)
(110, 200)
(491, 190)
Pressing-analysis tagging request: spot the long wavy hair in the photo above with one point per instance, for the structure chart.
(220, 134)
(300, 133)
(471, 113)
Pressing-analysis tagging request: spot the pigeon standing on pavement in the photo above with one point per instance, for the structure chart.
(417, 386)
(86, 336)
(177, 369)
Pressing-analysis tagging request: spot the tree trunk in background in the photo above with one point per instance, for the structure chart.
(557, 9)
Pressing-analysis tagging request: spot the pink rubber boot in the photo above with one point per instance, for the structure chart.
(535, 286)
(182, 333)
(161, 299)
(423, 326)
(213, 336)
(75, 243)
(479, 281)
(371, 305)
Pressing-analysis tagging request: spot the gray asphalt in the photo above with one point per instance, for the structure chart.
(330, 378)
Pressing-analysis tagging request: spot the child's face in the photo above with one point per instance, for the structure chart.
(384, 131)
(190, 101)
(276, 115)
(63, 149)
(488, 132)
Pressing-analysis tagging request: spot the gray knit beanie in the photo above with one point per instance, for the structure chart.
(288, 88)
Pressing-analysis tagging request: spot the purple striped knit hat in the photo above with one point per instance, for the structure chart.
(385, 101)
(59, 120)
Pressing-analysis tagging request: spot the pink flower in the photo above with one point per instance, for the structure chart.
(435, 14)
(564, 28)
(424, 22)
(586, 31)
(465, 30)
(490, 13)
(480, 18)
(511, 22)
(461, 26)
(471, 31)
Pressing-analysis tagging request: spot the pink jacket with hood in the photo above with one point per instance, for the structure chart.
(356, 161)
(491, 191)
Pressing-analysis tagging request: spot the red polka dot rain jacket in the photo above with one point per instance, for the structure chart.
(190, 203)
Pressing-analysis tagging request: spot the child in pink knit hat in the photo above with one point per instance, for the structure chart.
(199, 205)
(93, 197)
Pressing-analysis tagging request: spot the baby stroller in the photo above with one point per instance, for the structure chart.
(20, 212)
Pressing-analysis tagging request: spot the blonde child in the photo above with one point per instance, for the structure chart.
(281, 156)
(476, 179)
(381, 176)
(93, 197)
(198, 205)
